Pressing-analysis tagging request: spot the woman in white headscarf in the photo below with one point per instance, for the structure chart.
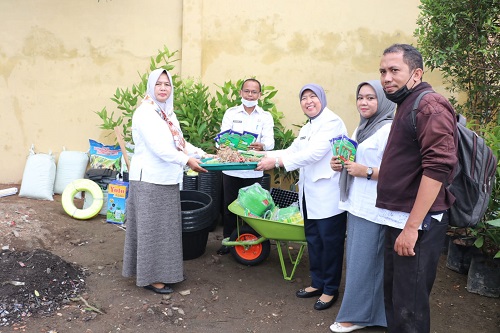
(153, 241)
(363, 302)
(324, 221)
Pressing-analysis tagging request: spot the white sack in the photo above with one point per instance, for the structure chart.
(70, 166)
(39, 176)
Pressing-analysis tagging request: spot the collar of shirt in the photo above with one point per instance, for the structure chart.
(256, 109)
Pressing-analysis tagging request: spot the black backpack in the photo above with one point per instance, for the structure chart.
(474, 176)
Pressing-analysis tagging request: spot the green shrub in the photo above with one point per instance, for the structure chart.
(461, 39)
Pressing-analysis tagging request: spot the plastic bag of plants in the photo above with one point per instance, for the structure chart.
(289, 214)
(255, 200)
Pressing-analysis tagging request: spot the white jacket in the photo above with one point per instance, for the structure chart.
(311, 152)
(363, 192)
(156, 159)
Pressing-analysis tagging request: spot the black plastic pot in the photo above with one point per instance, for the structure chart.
(460, 256)
(189, 183)
(484, 276)
(196, 210)
(265, 182)
(211, 184)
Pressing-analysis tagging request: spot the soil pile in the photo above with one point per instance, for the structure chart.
(36, 283)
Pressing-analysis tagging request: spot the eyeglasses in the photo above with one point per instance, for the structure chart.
(250, 92)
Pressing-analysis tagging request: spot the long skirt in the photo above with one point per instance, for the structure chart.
(363, 301)
(153, 240)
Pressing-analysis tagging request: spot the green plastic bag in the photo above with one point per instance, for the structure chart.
(255, 200)
(284, 213)
(289, 214)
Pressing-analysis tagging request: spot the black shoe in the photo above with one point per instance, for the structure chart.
(320, 305)
(165, 290)
(302, 293)
(223, 250)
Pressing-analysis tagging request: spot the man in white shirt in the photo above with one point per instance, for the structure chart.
(247, 117)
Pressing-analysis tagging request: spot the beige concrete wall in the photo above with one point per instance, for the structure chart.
(61, 61)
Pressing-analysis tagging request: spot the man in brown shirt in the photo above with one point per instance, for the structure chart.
(416, 167)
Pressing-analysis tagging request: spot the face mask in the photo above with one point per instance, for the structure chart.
(249, 104)
(399, 95)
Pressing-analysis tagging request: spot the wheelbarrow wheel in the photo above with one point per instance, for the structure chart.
(249, 255)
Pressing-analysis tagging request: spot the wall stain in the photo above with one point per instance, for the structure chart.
(7, 65)
(218, 41)
(97, 55)
(42, 43)
(298, 44)
(18, 113)
(360, 48)
(258, 37)
(331, 47)
(367, 58)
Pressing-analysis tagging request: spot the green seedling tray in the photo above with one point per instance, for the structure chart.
(227, 166)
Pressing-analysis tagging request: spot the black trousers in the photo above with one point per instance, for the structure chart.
(325, 246)
(408, 280)
(231, 186)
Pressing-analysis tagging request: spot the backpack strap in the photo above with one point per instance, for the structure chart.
(414, 110)
(413, 116)
(461, 120)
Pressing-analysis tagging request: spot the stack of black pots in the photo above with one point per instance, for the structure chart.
(196, 210)
(211, 184)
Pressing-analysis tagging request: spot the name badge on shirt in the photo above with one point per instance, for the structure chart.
(237, 121)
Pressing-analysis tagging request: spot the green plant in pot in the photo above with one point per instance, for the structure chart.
(487, 236)
(487, 232)
(484, 271)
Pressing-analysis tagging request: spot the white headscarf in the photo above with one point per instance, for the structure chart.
(168, 106)
(165, 110)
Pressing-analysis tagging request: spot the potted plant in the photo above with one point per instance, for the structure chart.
(484, 271)
(487, 233)
(460, 248)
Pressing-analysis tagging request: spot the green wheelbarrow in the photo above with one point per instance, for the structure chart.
(250, 242)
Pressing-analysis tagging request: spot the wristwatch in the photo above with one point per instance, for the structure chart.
(369, 173)
(277, 163)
